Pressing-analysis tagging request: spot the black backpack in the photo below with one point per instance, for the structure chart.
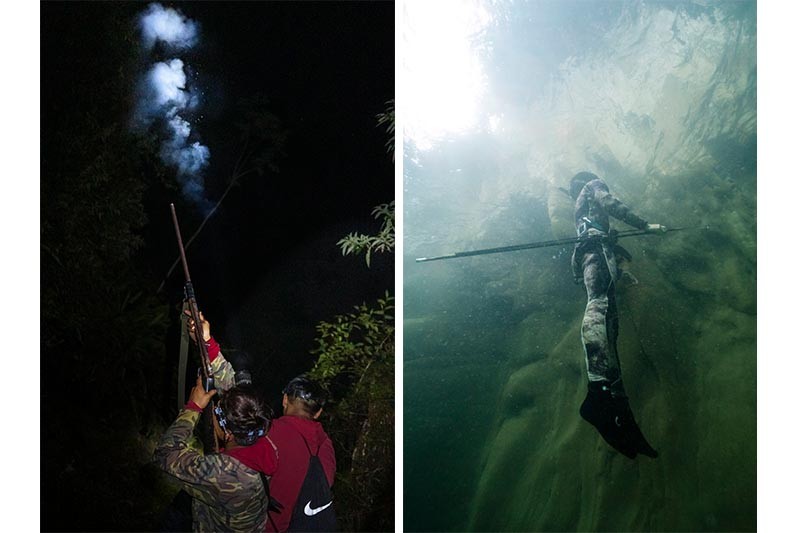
(314, 508)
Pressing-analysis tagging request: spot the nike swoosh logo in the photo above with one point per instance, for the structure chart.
(311, 512)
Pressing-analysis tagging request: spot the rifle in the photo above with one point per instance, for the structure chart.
(612, 237)
(205, 362)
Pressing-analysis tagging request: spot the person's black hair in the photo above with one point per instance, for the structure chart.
(245, 414)
(578, 181)
(310, 395)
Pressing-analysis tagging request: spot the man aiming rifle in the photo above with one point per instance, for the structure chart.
(228, 483)
(300, 489)
(229, 489)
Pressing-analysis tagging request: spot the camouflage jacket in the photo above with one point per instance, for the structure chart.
(224, 375)
(226, 494)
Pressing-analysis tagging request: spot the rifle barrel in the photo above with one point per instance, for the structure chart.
(193, 308)
(205, 362)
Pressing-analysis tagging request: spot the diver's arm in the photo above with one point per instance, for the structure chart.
(615, 207)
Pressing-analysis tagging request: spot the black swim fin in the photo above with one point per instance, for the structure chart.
(612, 417)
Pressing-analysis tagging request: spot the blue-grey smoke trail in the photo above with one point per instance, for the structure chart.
(165, 98)
(167, 26)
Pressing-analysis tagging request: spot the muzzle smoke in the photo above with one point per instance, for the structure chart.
(168, 26)
(167, 100)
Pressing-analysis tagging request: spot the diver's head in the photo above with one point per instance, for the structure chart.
(578, 181)
(243, 415)
(303, 397)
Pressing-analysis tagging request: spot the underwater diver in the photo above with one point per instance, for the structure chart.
(595, 263)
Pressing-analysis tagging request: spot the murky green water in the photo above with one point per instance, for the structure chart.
(659, 99)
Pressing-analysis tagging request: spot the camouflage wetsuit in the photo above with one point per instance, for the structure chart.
(594, 261)
(226, 494)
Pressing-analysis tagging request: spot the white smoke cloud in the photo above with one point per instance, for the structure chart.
(189, 159)
(165, 99)
(168, 83)
(180, 127)
(168, 26)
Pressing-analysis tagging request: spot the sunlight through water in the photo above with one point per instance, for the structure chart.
(443, 77)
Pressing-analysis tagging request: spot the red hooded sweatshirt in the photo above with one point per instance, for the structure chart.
(293, 458)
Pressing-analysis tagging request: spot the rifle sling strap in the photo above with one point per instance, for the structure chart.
(183, 358)
(272, 503)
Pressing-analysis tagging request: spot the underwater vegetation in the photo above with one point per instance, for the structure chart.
(659, 99)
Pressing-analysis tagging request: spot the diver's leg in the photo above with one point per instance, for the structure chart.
(606, 406)
(594, 330)
(614, 373)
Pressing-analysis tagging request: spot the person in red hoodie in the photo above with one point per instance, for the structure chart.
(298, 434)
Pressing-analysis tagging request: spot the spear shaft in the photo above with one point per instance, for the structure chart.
(544, 244)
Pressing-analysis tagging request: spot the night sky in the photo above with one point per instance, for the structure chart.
(326, 69)
(266, 267)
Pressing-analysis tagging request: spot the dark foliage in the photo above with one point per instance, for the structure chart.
(103, 328)
(355, 362)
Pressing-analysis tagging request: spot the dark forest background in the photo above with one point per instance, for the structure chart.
(293, 93)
